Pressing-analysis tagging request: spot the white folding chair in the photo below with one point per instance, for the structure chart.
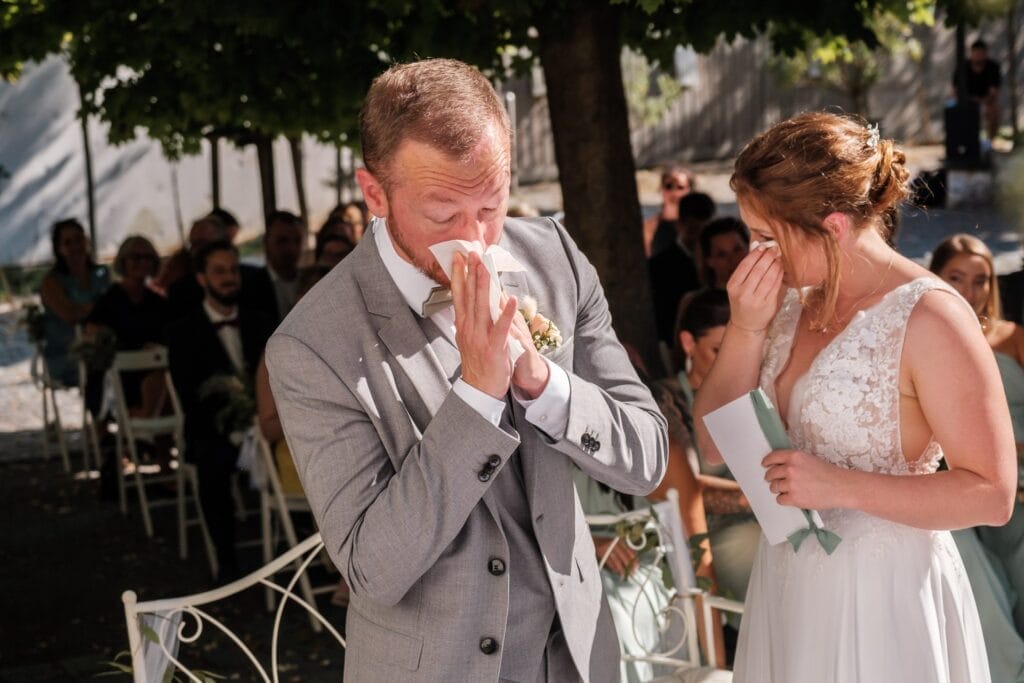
(130, 429)
(157, 634)
(277, 505)
(678, 649)
(49, 386)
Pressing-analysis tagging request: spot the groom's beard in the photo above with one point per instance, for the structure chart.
(431, 269)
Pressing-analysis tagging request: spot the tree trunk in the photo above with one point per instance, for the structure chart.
(1011, 72)
(265, 155)
(90, 188)
(590, 127)
(215, 170)
(295, 143)
(337, 174)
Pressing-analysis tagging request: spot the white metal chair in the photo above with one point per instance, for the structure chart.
(277, 505)
(130, 429)
(678, 647)
(49, 387)
(156, 628)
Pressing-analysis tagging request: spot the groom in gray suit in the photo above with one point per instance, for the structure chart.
(439, 469)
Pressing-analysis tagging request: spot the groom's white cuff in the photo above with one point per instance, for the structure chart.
(549, 412)
(489, 407)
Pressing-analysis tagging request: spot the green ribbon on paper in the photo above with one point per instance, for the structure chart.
(829, 540)
(778, 439)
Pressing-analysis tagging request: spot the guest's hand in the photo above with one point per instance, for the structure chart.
(622, 560)
(754, 289)
(531, 373)
(483, 344)
(802, 480)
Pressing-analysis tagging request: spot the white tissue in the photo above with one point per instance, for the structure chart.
(767, 244)
(496, 260)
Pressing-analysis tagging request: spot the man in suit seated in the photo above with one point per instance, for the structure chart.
(216, 340)
(273, 288)
(674, 272)
(439, 468)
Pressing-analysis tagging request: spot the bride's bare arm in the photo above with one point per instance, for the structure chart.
(958, 387)
(753, 300)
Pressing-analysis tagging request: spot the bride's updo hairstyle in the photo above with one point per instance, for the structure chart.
(803, 169)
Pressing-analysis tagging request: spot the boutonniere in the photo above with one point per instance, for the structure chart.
(544, 332)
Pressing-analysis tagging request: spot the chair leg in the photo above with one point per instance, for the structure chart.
(182, 522)
(147, 521)
(267, 549)
(305, 587)
(211, 554)
(61, 442)
(122, 496)
(46, 424)
(236, 495)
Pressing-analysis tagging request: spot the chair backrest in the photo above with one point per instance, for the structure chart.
(153, 360)
(675, 622)
(157, 632)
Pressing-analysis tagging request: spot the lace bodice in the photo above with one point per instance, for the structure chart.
(848, 413)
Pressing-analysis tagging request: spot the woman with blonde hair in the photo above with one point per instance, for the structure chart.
(660, 229)
(879, 370)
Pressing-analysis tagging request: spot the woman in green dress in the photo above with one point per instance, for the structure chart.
(993, 556)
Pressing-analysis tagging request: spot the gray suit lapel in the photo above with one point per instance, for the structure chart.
(401, 333)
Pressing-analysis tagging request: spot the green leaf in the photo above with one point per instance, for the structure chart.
(148, 633)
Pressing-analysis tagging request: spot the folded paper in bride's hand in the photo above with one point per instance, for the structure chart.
(745, 431)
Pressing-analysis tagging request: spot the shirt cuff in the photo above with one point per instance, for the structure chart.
(549, 412)
(489, 407)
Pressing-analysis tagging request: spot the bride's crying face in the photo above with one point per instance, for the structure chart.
(803, 257)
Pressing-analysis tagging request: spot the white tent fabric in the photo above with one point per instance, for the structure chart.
(42, 175)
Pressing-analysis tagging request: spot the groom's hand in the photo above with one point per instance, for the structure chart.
(483, 345)
(531, 373)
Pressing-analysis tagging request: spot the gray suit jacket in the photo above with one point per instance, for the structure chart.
(389, 458)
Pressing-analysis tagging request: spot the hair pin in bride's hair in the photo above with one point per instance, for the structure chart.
(873, 136)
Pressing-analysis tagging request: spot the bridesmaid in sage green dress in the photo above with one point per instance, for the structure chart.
(996, 553)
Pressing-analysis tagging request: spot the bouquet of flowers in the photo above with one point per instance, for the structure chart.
(231, 398)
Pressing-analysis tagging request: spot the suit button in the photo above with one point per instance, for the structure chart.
(494, 461)
(488, 646)
(496, 566)
(485, 475)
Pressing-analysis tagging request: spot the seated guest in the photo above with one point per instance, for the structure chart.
(219, 338)
(723, 244)
(178, 277)
(229, 221)
(331, 248)
(68, 293)
(734, 533)
(356, 214)
(660, 229)
(966, 263)
(673, 272)
(134, 313)
(272, 288)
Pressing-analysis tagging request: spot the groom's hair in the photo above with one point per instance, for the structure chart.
(444, 103)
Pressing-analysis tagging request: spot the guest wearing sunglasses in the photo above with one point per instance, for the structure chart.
(660, 229)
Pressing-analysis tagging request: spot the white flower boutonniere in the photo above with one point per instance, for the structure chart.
(546, 335)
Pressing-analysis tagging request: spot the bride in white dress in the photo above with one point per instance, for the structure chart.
(879, 369)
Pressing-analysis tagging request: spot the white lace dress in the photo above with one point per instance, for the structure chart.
(892, 603)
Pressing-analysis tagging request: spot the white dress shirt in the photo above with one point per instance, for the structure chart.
(549, 412)
(230, 335)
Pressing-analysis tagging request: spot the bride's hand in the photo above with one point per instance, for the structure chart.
(802, 480)
(754, 289)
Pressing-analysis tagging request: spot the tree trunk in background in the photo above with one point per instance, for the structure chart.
(215, 170)
(265, 155)
(295, 144)
(90, 189)
(337, 174)
(590, 127)
(1011, 71)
